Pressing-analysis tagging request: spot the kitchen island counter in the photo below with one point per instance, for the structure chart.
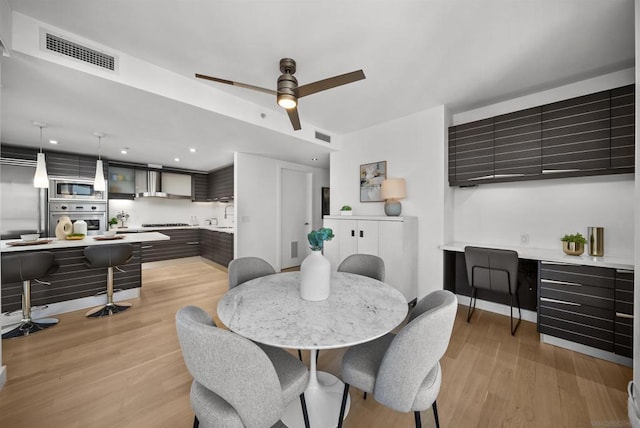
(87, 241)
(139, 229)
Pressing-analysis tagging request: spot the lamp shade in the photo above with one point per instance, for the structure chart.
(394, 188)
(98, 181)
(40, 179)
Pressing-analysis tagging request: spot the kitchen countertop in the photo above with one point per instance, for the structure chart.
(137, 229)
(87, 241)
(552, 255)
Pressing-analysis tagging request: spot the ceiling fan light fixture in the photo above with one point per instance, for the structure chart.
(287, 101)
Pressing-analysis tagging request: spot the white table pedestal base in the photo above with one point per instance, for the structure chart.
(323, 397)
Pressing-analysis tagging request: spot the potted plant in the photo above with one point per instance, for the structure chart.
(346, 210)
(573, 245)
(113, 223)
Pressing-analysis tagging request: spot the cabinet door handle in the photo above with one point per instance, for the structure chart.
(625, 271)
(353, 232)
(362, 234)
(562, 302)
(555, 263)
(621, 315)
(147, 246)
(553, 281)
(193, 243)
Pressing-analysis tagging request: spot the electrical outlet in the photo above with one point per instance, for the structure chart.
(524, 238)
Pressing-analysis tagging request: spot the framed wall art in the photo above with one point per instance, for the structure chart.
(371, 177)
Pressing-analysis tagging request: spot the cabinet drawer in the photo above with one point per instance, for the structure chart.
(581, 294)
(623, 305)
(578, 328)
(586, 315)
(567, 334)
(625, 351)
(585, 275)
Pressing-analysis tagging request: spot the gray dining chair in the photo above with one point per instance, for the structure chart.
(403, 371)
(245, 269)
(495, 270)
(236, 382)
(363, 264)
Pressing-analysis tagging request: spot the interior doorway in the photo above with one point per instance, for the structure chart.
(295, 218)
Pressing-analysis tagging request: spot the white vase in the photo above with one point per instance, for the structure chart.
(64, 227)
(315, 281)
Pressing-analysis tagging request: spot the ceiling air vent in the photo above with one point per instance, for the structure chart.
(79, 52)
(324, 137)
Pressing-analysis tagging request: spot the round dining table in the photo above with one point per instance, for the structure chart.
(270, 310)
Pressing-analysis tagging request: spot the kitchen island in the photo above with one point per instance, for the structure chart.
(75, 286)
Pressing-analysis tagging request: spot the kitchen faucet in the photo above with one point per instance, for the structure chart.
(225, 211)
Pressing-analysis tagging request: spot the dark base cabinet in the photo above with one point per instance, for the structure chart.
(182, 243)
(216, 246)
(589, 305)
(456, 281)
(73, 280)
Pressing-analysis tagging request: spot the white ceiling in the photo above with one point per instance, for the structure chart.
(415, 54)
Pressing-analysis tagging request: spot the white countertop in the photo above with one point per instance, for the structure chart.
(558, 255)
(137, 229)
(87, 241)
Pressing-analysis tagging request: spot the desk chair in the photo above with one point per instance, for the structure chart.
(496, 270)
(403, 371)
(27, 267)
(236, 382)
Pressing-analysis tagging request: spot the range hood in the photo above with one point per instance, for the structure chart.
(154, 189)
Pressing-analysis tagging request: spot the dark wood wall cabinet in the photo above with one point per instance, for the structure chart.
(181, 243)
(221, 184)
(589, 305)
(588, 135)
(200, 187)
(73, 280)
(216, 246)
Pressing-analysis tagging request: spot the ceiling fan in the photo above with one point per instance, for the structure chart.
(288, 90)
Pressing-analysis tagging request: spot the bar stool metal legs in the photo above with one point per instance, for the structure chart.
(111, 307)
(108, 256)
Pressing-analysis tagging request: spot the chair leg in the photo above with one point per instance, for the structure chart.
(299, 355)
(513, 330)
(434, 406)
(418, 422)
(345, 394)
(305, 414)
(472, 303)
(196, 422)
(365, 395)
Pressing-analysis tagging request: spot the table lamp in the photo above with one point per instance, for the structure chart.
(393, 189)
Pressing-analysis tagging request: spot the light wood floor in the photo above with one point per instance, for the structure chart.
(127, 371)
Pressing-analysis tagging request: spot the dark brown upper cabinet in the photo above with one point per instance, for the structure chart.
(588, 135)
(221, 184)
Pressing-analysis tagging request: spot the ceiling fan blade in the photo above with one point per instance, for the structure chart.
(331, 82)
(241, 85)
(294, 118)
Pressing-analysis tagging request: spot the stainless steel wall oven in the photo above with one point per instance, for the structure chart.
(93, 213)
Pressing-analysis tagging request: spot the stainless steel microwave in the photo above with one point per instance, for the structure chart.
(74, 188)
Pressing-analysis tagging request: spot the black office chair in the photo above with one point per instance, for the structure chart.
(108, 256)
(27, 267)
(495, 270)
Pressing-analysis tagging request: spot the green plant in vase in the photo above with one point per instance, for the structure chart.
(317, 237)
(573, 245)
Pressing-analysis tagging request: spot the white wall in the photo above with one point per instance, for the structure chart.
(414, 148)
(257, 193)
(547, 209)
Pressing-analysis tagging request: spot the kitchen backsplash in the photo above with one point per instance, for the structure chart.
(152, 210)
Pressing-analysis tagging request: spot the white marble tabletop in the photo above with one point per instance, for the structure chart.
(87, 241)
(270, 310)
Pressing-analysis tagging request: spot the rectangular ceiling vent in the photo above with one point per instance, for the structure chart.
(324, 137)
(79, 52)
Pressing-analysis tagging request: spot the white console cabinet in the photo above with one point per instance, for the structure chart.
(393, 239)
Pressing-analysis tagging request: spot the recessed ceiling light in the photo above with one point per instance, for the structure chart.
(124, 151)
(53, 142)
(176, 159)
(192, 150)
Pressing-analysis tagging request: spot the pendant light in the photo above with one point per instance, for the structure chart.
(98, 182)
(40, 179)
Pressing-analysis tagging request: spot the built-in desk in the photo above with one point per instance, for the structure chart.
(582, 303)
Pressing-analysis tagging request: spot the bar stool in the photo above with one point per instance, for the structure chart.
(108, 256)
(27, 267)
